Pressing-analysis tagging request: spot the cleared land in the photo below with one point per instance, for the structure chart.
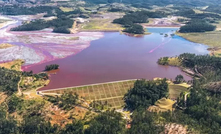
(102, 22)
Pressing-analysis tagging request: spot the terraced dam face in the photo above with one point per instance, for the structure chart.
(119, 57)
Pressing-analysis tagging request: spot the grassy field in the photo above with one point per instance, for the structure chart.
(112, 92)
(101, 25)
(176, 89)
(162, 105)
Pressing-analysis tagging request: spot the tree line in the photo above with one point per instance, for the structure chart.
(145, 93)
(59, 25)
(197, 26)
(22, 10)
(130, 20)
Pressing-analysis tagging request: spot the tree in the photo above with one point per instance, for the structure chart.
(179, 79)
(37, 125)
(135, 29)
(7, 124)
(197, 26)
(145, 93)
(145, 122)
(13, 103)
(66, 101)
(51, 67)
(163, 61)
(109, 122)
(76, 127)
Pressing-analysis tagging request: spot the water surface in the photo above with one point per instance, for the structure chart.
(119, 57)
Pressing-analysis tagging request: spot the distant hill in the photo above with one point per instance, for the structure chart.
(160, 2)
(26, 1)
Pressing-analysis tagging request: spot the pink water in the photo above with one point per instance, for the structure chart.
(119, 57)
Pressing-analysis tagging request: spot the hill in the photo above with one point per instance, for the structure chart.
(143, 3)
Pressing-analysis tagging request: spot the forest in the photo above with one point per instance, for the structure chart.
(197, 26)
(130, 20)
(59, 25)
(202, 106)
(145, 93)
(10, 79)
(22, 10)
(51, 67)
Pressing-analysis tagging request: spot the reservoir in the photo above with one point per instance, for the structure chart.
(120, 57)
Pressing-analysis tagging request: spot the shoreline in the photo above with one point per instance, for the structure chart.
(210, 48)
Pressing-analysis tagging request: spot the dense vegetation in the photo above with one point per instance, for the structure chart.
(21, 10)
(10, 79)
(51, 67)
(206, 65)
(179, 79)
(130, 20)
(66, 101)
(197, 26)
(145, 93)
(109, 122)
(59, 25)
(62, 24)
(31, 26)
(135, 29)
(144, 122)
(202, 112)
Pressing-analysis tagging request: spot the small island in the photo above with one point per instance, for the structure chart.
(51, 67)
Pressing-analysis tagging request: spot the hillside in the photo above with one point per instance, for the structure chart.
(143, 3)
